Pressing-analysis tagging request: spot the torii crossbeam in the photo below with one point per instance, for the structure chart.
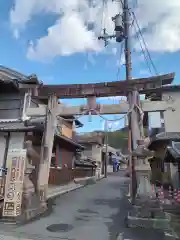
(102, 90)
(105, 89)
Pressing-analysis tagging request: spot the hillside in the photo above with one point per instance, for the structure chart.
(119, 139)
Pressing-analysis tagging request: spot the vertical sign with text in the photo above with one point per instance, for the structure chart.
(14, 182)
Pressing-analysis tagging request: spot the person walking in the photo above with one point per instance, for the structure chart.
(115, 164)
(118, 165)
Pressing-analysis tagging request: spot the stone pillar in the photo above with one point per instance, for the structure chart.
(97, 156)
(143, 178)
(33, 202)
(143, 171)
(28, 193)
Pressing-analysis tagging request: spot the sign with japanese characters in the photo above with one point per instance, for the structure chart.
(14, 182)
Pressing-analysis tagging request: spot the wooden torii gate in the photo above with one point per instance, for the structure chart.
(48, 117)
(48, 114)
(91, 92)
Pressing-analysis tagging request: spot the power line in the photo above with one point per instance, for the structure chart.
(120, 57)
(143, 51)
(103, 15)
(145, 45)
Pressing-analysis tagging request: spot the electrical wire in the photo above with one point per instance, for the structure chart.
(139, 30)
(122, 4)
(103, 15)
(120, 56)
(143, 52)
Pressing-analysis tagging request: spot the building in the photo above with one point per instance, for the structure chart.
(115, 154)
(93, 148)
(19, 133)
(164, 134)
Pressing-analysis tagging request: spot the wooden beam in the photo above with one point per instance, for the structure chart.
(119, 88)
(122, 108)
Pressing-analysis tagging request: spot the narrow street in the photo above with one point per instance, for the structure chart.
(95, 212)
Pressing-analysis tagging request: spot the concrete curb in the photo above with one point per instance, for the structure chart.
(54, 195)
(99, 179)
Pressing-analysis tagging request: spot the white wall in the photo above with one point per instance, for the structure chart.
(97, 153)
(16, 140)
(172, 118)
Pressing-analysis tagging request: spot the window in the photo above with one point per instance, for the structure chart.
(53, 161)
(59, 156)
(53, 158)
(10, 108)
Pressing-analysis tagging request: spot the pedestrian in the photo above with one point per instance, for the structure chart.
(115, 165)
(118, 166)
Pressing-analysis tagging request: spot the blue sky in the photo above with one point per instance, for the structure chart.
(69, 53)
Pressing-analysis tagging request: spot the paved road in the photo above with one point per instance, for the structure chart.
(95, 212)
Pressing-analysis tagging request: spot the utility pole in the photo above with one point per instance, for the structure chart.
(106, 144)
(126, 20)
(122, 33)
(133, 99)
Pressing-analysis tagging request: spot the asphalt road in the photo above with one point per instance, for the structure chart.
(95, 212)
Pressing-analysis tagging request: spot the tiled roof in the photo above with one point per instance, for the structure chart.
(15, 127)
(81, 162)
(70, 141)
(19, 127)
(168, 135)
(10, 75)
(174, 150)
(162, 137)
(11, 80)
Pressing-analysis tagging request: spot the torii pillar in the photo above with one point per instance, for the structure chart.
(46, 148)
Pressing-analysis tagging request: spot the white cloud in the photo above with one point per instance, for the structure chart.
(67, 36)
(161, 18)
(70, 34)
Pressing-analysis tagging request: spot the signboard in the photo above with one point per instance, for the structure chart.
(14, 182)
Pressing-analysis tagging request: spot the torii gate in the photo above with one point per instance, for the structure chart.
(48, 114)
(90, 91)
